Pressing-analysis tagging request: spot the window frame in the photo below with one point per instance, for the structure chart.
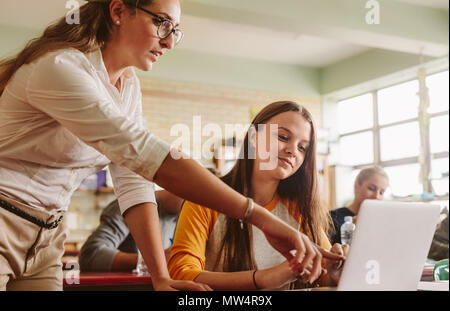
(425, 166)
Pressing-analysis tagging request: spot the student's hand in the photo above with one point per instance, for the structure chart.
(334, 268)
(275, 277)
(176, 285)
(295, 246)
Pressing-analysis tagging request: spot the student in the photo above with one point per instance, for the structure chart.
(71, 104)
(370, 184)
(439, 244)
(111, 247)
(214, 249)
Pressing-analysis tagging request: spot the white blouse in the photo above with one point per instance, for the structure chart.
(61, 121)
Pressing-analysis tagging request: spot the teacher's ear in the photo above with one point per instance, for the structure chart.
(116, 11)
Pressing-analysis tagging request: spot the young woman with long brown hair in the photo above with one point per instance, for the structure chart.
(220, 251)
(70, 104)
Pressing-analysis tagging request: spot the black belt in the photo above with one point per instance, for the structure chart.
(39, 222)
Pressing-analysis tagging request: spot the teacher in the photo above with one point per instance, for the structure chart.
(70, 105)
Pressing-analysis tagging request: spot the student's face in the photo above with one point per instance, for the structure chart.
(372, 188)
(138, 35)
(292, 141)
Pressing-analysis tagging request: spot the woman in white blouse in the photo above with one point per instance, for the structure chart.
(70, 104)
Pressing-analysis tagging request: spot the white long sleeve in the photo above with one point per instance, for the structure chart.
(61, 121)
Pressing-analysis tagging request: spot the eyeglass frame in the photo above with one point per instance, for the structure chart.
(161, 21)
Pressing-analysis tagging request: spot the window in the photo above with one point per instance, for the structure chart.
(439, 134)
(439, 176)
(404, 179)
(438, 92)
(398, 103)
(362, 155)
(360, 106)
(400, 141)
(384, 128)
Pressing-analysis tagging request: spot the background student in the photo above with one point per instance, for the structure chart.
(111, 246)
(439, 244)
(370, 184)
(217, 250)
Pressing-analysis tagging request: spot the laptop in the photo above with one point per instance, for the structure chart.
(389, 246)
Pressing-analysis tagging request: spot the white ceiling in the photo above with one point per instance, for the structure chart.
(224, 37)
(202, 34)
(438, 4)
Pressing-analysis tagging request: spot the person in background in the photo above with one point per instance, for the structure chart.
(439, 244)
(214, 249)
(70, 105)
(371, 183)
(111, 246)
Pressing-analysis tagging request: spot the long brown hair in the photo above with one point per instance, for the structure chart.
(300, 189)
(93, 31)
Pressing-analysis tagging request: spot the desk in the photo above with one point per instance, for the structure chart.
(127, 281)
(426, 283)
(427, 274)
(433, 286)
(105, 281)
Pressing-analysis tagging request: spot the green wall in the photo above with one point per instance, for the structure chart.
(188, 66)
(13, 39)
(365, 67)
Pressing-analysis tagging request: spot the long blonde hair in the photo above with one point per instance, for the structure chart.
(93, 31)
(368, 172)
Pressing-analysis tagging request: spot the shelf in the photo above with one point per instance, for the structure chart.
(418, 199)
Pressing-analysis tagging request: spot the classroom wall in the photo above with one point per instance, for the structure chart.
(167, 103)
(220, 89)
(248, 74)
(224, 89)
(364, 67)
(13, 39)
(188, 66)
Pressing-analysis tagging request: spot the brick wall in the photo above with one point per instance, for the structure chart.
(166, 103)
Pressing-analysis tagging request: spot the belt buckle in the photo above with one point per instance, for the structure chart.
(55, 223)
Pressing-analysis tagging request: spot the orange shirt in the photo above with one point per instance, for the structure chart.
(200, 231)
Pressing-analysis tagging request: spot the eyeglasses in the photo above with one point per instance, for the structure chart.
(165, 27)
